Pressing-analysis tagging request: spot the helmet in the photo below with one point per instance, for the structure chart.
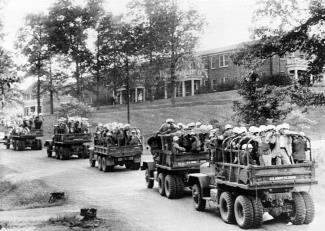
(285, 126)
(270, 127)
(228, 126)
(262, 128)
(302, 133)
(169, 120)
(192, 124)
(243, 129)
(236, 130)
(253, 129)
(175, 138)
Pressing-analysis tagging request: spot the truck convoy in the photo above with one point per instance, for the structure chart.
(116, 144)
(240, 175)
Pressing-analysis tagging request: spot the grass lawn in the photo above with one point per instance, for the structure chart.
(148, 116)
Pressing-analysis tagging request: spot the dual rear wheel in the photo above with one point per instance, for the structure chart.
(171, 186)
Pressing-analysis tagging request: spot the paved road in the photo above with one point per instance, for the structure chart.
(125, 191)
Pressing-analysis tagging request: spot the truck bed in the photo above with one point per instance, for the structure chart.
(75, 138)
(183, 160)
(266, 177)
(115, 151)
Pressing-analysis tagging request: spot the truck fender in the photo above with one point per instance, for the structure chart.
(148, 165)
(202, 179)
(48, 143)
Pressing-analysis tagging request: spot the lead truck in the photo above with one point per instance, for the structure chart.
(243, 192)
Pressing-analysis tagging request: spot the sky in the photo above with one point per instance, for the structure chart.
(228, 21)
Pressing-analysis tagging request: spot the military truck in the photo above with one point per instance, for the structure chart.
(67, 145)
(22, 140)
(171, 169)
(243, 191)
(109, 155)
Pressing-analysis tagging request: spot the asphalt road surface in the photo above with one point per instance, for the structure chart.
(124, 191)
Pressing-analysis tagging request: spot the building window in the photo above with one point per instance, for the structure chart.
(214, 84)
(214, 62)
(223, 60)
(205, 62)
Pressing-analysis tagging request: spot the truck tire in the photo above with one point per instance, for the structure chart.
(179, 186)
(92, 163)
(99, 166)
(106, 168)
(21, 145)
(298, 215)
(244, 213)
(8, 145)
(49, 152)
(148, 175)
(170, 187)
(127, 164)
(161, 184)
(198, 201)
(226, 207)
(258, 211)
(310, 207)
(135, 166)
(14, 145)
(39, 145)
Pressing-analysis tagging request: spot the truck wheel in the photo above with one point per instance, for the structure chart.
(127, 164)
(161, 184)
(99, 163)
(135, 166)
(148, 175)
(199, 202)
(310, 207)
(8, 144)
(258, 211)
(39, 145)
(170, 187)
(226, 207)
(21, 145)
(179, 186)
(244, 212)
(14, 145)
(92, 163)
(298, 215)
(105, 168)
(49, 152)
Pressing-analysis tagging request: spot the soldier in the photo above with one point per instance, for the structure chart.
(175, 146)
(134, 139)
(246, 157)
(299, 148)
(264, 149)
(228, 131)
(168, 127)
(283, 144)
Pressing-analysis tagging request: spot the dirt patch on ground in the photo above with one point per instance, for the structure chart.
(5, 170)
(26, 194)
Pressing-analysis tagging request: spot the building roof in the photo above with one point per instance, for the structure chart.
(221, 49)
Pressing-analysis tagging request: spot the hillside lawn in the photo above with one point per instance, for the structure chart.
(148, 116)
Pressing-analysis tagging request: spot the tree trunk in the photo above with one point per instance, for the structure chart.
(127, 89)
(51, 90)
(97, 79)
(173, 82)
(38, 87)
(78, 80)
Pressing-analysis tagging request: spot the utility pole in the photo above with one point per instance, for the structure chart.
(127, 89)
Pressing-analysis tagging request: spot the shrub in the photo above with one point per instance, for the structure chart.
(74, 109)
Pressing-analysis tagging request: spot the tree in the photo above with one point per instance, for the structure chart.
(265, 100)
(171, 33)
(34, 43)
(8, 76)
(68, 25)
